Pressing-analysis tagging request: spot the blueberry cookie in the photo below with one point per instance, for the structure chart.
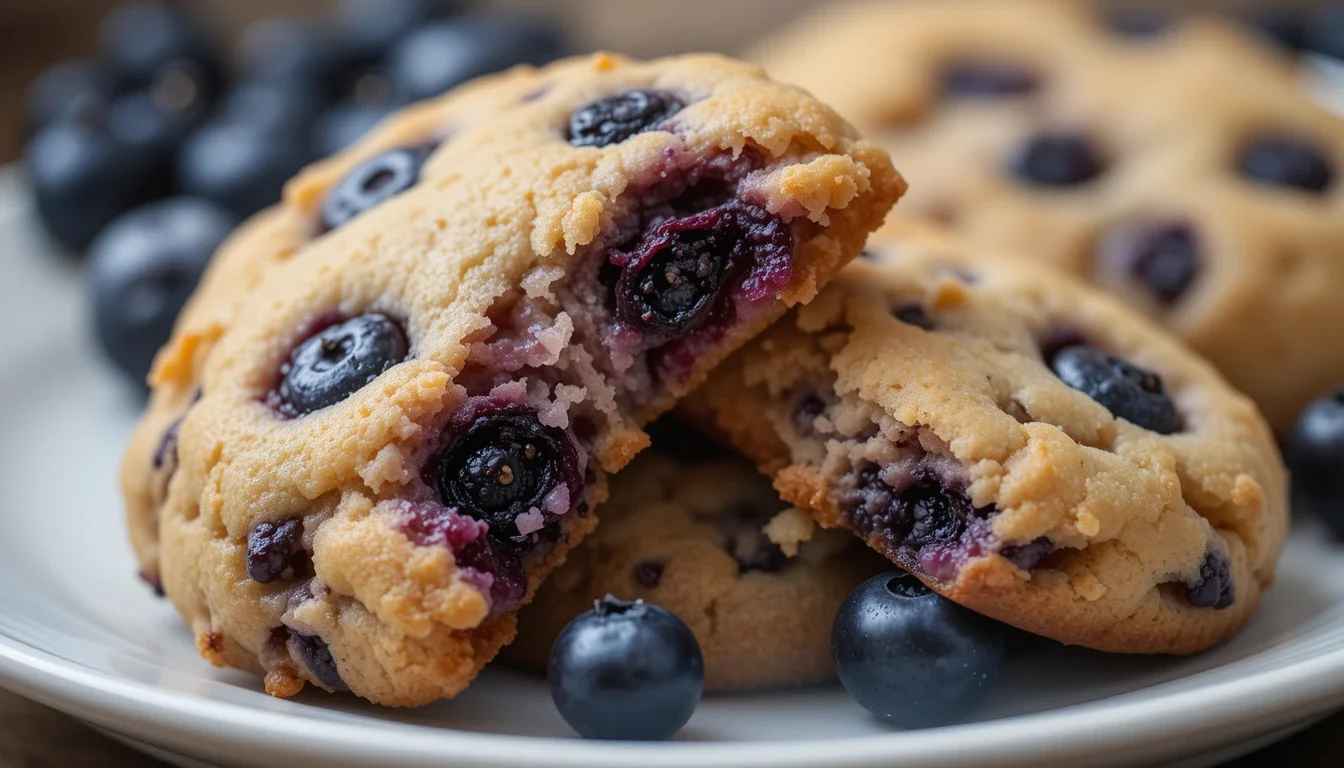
(1180, 167)
(1025, 445)
(709, 540)
(390, 409)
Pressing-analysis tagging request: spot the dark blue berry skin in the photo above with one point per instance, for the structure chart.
(1214, 587)
(369, 29)
(142, 39)
(142, 269)
(443, 54)
(1286, 27)
(339, 360)
(296, 51)
(279, 107)
(911, 656)
(1127, 391)
(629, 671)
(343, 124)
(1286, 161)
(614, 119)
(239, 165)
(156, 126)
(73, 90)
(273, 548)
(372, 182)
(82, 178)
(987, 79)
(314, 653)
(1057, 160)
(1315, 455)
(1164, 257)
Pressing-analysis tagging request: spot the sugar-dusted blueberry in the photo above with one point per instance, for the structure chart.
(1315, 455)
(339, 360)
(613, 119)
(911, 656)
(143, 268)
(981, 78)
(1213, 587)
(239, 165)
(1057, 159)
(1126, 390)
(442, 54)
(1286, 161)
(82, 178)
(273, 548)
(315, 655)
(502, 464)
(141, 39)
(373, 181)
(1164, 256)
(73, 90)
(673, 280)
(629, 671)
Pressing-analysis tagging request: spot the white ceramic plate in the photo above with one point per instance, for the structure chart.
(80, 633)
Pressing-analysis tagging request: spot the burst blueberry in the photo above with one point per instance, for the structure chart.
(626, 671)
(315, 655)
(339, 360)
(1213, 587)
(273, 548)
(912, 657)
(614, 119)
(1126, 390)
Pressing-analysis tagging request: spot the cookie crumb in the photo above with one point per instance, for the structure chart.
(790, 528)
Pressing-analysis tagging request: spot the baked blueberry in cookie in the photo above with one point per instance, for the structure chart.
(1040, 453)
(421, 367)
(703, 535)
(1108, 145)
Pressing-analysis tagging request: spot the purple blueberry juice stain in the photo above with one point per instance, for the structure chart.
(1028, 556)
(273, 548)
(491, 571)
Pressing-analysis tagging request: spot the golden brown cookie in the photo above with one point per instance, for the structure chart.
(705, 536)
(1183, 169)
(390, 408)
(1025, 445)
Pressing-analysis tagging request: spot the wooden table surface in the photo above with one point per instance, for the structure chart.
(33, 736)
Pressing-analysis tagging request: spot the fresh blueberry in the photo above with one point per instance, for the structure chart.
(142, 269)
(629, 671)
(315, 655)
(1163, 256)
(369, 29)
(155, 123)
(239, 165)
(979, 79)
(503, 463)
(295, 51)
(82, 178)
(1324, 33)
(1214, 588)
(1315, 455)
(912, 657)
(442, 54)
(75, 90)
(674, 279)
(1126, 390)
(372, 182)
(614, 119)
(338, 361)
(345, 123)
(142, 39)
(285, 107)
(273, 548)
(1057, 160)
(1286, 27)
(1286, 161)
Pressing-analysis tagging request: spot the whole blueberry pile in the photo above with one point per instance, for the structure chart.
(162, 123)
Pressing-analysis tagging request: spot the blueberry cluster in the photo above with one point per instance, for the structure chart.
(163, 118)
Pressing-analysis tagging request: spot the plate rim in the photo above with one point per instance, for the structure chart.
(1096, 731)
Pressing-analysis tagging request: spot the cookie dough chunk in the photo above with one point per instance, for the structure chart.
(1180, 167)
(390, 409)
(1025, 445)
(707, 538)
